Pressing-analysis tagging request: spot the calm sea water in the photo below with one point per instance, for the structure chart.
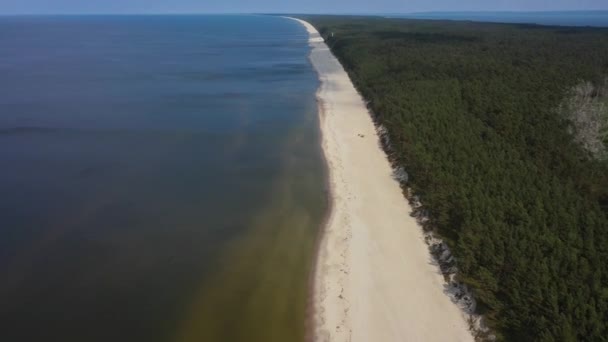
(566, 18)
(160, 178)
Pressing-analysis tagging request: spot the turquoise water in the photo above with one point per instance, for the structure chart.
(563, 18)
(161, 178)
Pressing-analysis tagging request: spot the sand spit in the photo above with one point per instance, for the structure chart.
(375, 279)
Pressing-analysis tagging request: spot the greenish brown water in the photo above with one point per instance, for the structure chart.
(265, 286)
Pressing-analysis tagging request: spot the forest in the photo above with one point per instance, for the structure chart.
(480, 116)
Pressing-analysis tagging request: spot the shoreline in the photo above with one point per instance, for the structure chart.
(310, 304)
(372, 273)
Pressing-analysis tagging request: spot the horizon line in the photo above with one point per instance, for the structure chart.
(299, 13)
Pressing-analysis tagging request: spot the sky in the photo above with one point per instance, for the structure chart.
(289, 6)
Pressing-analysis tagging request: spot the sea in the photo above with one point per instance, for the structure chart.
(553, 18)
(161, 178)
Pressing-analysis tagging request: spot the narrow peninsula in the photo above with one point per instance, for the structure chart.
(497, 134)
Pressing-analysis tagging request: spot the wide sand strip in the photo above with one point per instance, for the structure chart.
(374, 278)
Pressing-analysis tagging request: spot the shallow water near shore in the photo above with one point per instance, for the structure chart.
(162, 178)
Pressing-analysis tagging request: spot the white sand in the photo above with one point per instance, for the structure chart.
(375, 279)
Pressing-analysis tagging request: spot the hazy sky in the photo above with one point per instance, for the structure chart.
(299, 6)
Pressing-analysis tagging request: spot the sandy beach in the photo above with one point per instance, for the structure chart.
(374, 278)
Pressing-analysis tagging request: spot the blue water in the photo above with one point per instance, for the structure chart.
(146, 161)
(564, 18)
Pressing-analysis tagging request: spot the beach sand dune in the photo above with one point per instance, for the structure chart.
(374, 278)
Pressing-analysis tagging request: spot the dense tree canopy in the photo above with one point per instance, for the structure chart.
(471, 113)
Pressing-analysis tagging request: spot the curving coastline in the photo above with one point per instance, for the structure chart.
(374, 278)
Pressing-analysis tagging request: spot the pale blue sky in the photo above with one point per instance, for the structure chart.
(301, 6)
